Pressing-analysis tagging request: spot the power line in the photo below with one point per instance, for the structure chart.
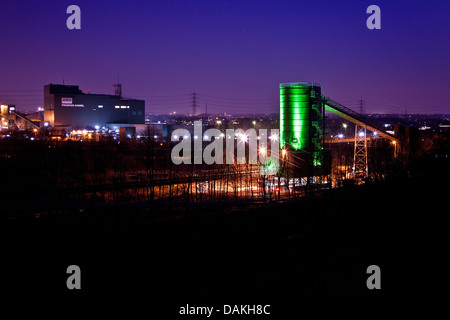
(235, 99)
(11, 90)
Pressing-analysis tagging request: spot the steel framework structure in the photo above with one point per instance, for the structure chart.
(360, 168)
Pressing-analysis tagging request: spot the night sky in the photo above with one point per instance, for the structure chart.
(233, 53)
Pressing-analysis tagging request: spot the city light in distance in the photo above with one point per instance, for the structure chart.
(273, 137)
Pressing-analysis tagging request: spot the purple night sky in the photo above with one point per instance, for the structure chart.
(233, 53)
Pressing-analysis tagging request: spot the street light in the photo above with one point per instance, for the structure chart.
(262, 150)
(395, 148)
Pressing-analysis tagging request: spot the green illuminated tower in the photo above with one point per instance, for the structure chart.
(302, 122)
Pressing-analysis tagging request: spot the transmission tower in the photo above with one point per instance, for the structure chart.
(194, 103)
(118, 90)
(360, 169)
(361, 106)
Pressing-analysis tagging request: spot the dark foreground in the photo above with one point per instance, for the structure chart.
(279, 254)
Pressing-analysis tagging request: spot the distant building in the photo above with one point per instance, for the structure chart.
(14, 120)
(67, 107)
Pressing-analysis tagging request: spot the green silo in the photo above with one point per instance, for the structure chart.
(302, 121)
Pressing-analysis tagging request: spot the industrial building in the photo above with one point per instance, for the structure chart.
(67, 107)
(302, 130)
(13, 120)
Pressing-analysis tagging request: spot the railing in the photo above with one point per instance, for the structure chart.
(291, 84)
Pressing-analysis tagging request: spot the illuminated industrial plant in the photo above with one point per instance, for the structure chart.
(302, 123)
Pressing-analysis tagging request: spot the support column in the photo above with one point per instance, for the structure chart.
(360, 169)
